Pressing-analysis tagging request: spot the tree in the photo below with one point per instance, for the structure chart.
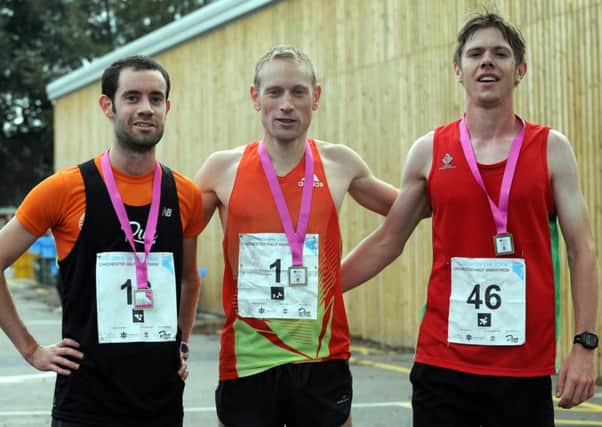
(39, 42)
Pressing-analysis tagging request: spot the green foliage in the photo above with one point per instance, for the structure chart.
(43, 40)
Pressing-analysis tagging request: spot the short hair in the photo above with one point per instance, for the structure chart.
(284, 52)
(110, 76)
(491, 20)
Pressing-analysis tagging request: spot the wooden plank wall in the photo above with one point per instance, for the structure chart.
(387, 78)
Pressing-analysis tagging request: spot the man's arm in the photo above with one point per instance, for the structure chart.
(386, 243)
(191, 285)
(204, 180)
(369, 191)
(14, 241)
(215, 179)
(189, 297)
(576, 380)
(347, 172)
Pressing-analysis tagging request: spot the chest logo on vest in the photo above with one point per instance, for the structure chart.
(138, 233)
(447, 162)
(317, 182)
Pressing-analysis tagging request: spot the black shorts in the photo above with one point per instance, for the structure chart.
(447, 398)
(299, 395)
(60, 423)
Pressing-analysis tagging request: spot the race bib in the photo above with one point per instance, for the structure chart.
(119, 321)
(487, 301)
(269, 287)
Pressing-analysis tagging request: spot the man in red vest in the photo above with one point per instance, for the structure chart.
(495, 186)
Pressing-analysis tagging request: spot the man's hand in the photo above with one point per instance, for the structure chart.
(184, 353)
(576, 380)
(56, 357)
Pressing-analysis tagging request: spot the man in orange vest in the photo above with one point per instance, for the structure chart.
(285, 344)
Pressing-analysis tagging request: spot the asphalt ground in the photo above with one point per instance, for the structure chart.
(381, 386)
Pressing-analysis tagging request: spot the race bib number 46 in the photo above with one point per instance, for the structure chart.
(487, 301)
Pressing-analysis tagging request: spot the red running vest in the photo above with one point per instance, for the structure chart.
(463, 226)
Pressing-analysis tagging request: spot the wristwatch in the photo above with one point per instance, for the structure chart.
(587, 339)
(184, 350)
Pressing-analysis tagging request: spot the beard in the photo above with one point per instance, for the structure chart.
(137, 142)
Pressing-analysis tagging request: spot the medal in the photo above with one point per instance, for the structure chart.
(297, 276)
(143, 298)
(503, 243)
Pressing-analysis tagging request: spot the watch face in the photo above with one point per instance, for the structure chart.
(591, 340)
(587, 339)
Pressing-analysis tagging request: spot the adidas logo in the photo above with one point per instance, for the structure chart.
(317, 182)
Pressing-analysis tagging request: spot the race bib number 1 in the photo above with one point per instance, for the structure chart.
(128, 314)
(269, 287)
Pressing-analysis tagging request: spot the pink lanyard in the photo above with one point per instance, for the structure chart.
(500, 213)
(151, 222)
(296, 239)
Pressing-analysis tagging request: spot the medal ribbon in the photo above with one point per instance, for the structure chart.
(151, 222)
(296, 239)
(500, 213)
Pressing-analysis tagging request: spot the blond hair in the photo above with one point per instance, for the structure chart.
(284, 52)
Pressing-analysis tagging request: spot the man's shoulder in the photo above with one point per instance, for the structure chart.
(427, 138)
(335, 152)
(65, 178)
(219, 166)
(556, 135)
(227, 156)
(446, 128)
(326, 145)
(182, 180)
(423, 146)
(558, 146)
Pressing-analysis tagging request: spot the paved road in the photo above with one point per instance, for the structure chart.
(381, 386)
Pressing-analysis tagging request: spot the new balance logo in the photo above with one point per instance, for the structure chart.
(166, 212)
(317, 182)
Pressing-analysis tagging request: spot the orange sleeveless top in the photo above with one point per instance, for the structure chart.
(253, 345)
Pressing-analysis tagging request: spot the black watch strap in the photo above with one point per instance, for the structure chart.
(588, 340)
(184, 349)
